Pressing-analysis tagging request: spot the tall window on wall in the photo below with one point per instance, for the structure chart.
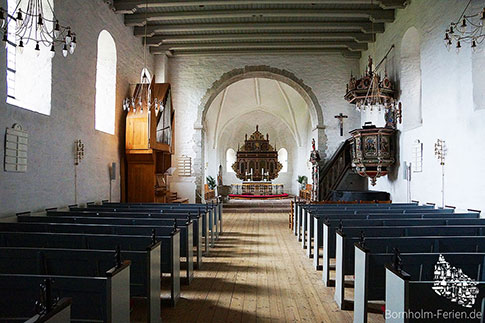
(283, 159)
(105, 84)
(230, 160)
(411, 78)
(29, 76)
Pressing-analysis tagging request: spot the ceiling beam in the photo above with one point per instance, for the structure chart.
(365, 27)
(375, 15)
(352, 46)
(174, 39)
(130, 6)
(259, 52)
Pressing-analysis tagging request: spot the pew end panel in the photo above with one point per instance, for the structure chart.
(397, 295)
(360, 284)
(339, 295)
(154, 282)
(198, 236)
(317, 242)
(326, 258)
(94, 299)
(118, 293)
(61, 313)
(189, 257)
(175, 268)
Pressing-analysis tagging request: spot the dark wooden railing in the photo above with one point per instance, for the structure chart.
(333, 172)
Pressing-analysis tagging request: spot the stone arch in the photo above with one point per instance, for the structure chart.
(260, 71)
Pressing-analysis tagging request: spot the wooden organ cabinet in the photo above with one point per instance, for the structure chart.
(149, 145)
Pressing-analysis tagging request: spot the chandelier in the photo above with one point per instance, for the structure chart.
(467, 29)
(33, 23)
(371, 91)
(143, 92)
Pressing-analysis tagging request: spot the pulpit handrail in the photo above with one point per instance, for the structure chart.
(325, 171)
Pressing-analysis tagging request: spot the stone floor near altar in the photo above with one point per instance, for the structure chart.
(258, 273)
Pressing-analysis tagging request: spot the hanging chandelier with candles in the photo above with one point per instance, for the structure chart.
(372, 91)
(143, 92)
(34, 21)
(467, 29)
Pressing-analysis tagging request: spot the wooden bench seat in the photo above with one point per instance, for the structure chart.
(199, 225)
(170, 254)
(119, 226)
(324, 234)
(94, 299)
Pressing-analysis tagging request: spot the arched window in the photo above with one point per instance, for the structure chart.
(411, 78)
(230, 160)
(29, 74)
(105, 84)
(283, 159)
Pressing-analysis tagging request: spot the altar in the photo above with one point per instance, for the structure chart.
(257, 188)
(257, 166)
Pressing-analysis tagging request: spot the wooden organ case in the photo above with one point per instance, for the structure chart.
(149, 145)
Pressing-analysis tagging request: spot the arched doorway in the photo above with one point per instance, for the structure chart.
(210, 127)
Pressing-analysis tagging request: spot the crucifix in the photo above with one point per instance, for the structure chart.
(341, 118)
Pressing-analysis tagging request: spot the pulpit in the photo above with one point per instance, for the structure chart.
(149, 146)
(373, 151)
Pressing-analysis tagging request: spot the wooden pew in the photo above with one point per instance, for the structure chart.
(170, 254)
(300, 205)
(324, 234)
(214, 208)
(144, 270)
(405, 294)
(60, 313)
(344, 250)
(371, 257)
(308, 211)
(199, 226)
(95, 298)
(308, 225)
(316, 230)
(209, 217)
(121, 226)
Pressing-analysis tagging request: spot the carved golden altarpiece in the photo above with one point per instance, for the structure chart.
(149, 146)
(257, 160)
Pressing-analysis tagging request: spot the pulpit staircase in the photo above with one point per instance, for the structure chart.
(337, 174)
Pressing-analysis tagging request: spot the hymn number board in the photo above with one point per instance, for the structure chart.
(16, 143)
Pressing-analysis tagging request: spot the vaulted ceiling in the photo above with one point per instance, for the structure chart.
(279, 102)
(195, 27)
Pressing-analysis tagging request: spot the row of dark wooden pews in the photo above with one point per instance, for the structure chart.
(390, 255)
(98, 258)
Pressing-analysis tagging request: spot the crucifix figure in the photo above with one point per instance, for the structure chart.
(341, 118)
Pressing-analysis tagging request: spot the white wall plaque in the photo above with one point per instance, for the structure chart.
(16, 143)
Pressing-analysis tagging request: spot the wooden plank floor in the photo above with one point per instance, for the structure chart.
(257, 273)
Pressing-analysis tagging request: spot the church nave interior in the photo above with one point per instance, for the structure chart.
(242, 161)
